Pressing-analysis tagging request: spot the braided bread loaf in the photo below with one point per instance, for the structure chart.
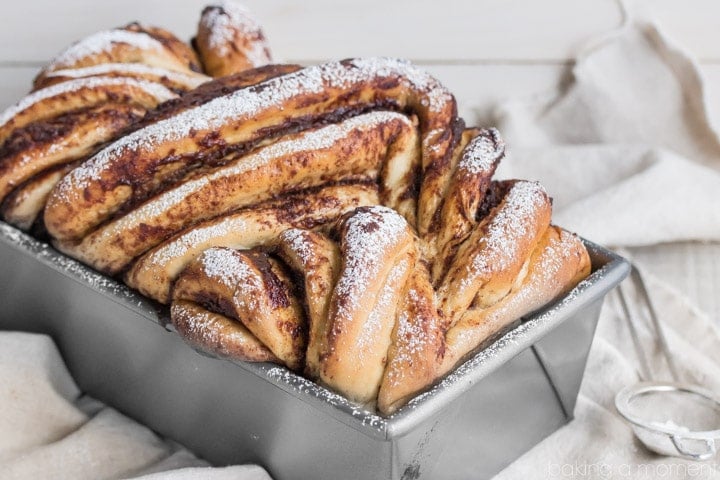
(55, 127)
(338, 219)
(103, 87)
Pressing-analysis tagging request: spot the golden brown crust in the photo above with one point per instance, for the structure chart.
(558, 263)
(299, 161)
(378, 253)
(488, 262)
(42, 145)
(133, 43)
(230, 40)
(85, 93)
(213, 89)
(399, 175)
(24, 205)
(59, 126)
(316, 258)
(130, 167)
(217, 334)
(478, 156)
(154, 272)
(417, 348)
(252, 288)
(174, 80)
(181, 50)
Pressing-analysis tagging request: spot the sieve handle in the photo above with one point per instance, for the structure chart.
(708, 454)
(659, 330)
(641, 289)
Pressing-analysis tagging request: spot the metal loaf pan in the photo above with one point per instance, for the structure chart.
(488, 412)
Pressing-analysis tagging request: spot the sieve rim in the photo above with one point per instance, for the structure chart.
(627, 394)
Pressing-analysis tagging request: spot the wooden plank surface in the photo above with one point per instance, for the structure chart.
(14, 83)
(551, 30)
(452, 31)
(694, 24)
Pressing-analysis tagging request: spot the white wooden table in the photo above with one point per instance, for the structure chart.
(483, 50)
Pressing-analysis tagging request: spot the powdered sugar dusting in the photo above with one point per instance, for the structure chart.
(225, 21)
(236, 274)
(413, 329)
(207, 338)
(413, 336)
(257, 54)
(553, 257)
(299, 242)
(509, 224)
(301, 385)
(372, 328)
(150, 212)
(129, 69)
(435, 97)
(482, 153)
(103, 42)
(154, 211)
(220, 264)
(180, 246)
(369, 234)
(201, 323)
(502, 349)
(246, 104)
(158, 91)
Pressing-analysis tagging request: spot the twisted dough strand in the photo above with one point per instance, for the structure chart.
(131, 44)
(23, 206)
(60, 125)
(417, 347)
(69, 96)
(113, 177)
(230, 40)
(378, 253)
(176, 81)
(298, 161)
(488, 262)
(558, 262)
(375, 327)
(475, 160)
(317, 259)
(85, 97)
(217, 334)
(154, 272)
(250, 287)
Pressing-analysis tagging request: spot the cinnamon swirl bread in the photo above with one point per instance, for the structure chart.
(337, 219)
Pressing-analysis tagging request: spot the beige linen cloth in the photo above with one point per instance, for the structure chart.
(48, 430)
(631, 157)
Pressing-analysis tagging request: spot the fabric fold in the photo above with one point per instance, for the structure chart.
(49, 430)
(631, 155)
(627, 149)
